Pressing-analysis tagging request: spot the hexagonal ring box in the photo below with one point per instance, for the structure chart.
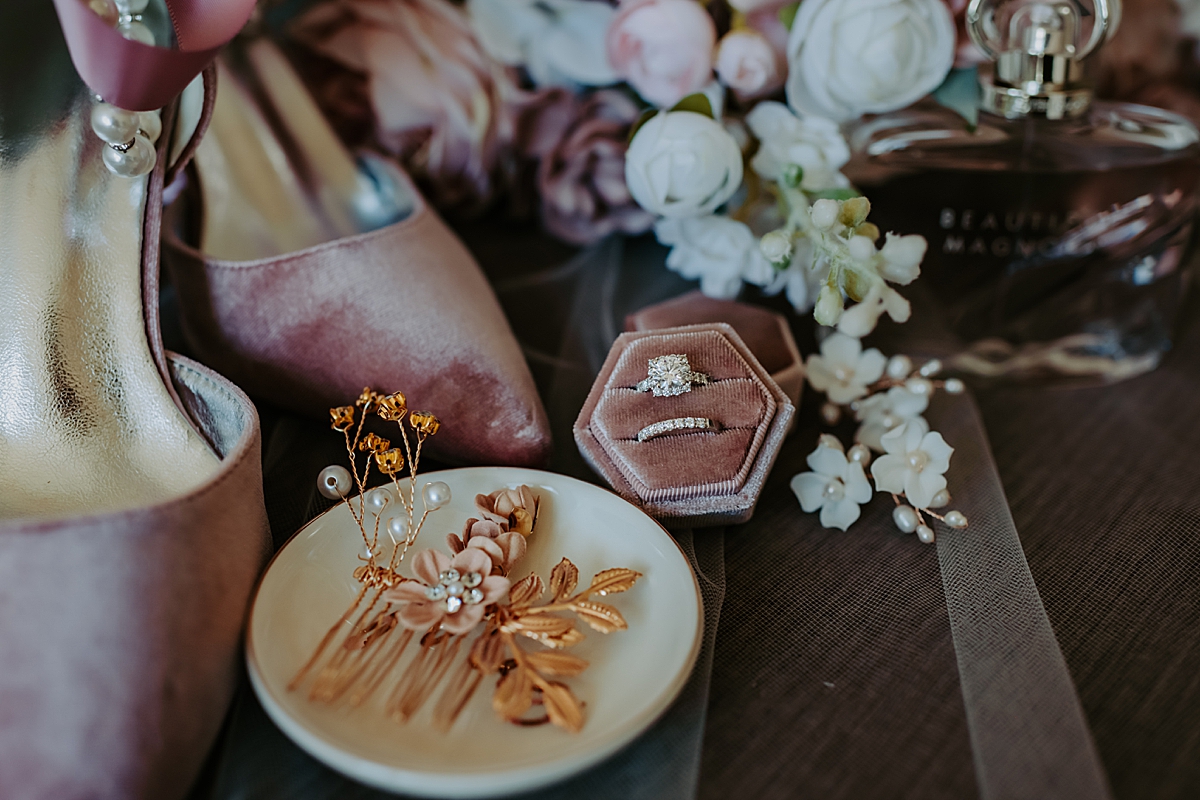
(689, 477)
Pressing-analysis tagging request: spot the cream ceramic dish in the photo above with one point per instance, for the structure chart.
(634, 675)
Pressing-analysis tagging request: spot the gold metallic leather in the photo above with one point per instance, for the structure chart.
(86, 424)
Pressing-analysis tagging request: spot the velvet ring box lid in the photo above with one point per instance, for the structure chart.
(687, 478)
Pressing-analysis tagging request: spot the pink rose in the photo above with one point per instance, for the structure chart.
(580, 145)
(750, 6)
(748, 65)
(663, 48)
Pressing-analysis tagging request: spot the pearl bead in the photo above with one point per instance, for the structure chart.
(436, 495)
(917, 459)
(366, 553)
(940, 500)
(898, 367)
(918, 386)
(455, 588)
(905, 519)
(859, 453)
(453, 604)
(889, 421)
(835, 491)
(954, 386)
(378, 498)
(128, 8)
(397, 528)
(150, 124)
(137, 160)
(334, 482)
(830, 441)
(925, 534)
(136, 31)
(472, 579)
(831, 413)
(841, 374)
(930, 368)
(956, 519)
(114, 125)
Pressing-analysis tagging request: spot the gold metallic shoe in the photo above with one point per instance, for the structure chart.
(132, 525)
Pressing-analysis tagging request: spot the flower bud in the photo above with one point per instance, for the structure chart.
(824, 213)
(828, 309)
(777, 247)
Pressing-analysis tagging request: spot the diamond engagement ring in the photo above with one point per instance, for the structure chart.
(677, 424)
(668, 376)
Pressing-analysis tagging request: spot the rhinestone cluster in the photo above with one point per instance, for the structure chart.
(456, 589)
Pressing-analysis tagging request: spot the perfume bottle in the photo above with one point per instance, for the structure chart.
(1058, 227)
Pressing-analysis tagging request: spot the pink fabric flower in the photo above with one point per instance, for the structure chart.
(450, 592)
(748, 65)
(663, 48)
(440, 102)
(580, 149)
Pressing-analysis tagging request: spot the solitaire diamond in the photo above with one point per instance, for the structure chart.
(669, 376)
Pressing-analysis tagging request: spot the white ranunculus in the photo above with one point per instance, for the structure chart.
(852, 57)
(722, 253)
(814, 144)
(682, 164)
(559, 42)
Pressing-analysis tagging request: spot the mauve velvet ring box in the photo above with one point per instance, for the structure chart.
(765, 332)
(687, 477)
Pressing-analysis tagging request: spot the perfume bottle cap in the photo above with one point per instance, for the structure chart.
(1039, 47)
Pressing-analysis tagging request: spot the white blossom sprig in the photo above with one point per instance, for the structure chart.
(887, 396)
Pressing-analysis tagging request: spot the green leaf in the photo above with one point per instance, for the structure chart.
(787, 15)
(697, 103)
(834, 194)
(960, 93)
(640, 121)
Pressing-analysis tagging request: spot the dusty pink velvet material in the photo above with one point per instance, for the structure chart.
(401, 308)
(766, 333)
(138, 77)
(694, 478)
(122, 632)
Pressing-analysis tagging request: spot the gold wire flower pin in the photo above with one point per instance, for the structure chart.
(449, 600)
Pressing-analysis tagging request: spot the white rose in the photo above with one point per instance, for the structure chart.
(812, 143)
(682, 164)
(719, 251)
(559, 42)
(852, 57)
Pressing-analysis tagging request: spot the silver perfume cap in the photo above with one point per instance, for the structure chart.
(1038, 48)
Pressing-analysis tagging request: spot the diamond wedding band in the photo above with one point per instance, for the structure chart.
(677, 424)
(668, 376)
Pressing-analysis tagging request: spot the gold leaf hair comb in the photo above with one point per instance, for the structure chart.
(449, 599)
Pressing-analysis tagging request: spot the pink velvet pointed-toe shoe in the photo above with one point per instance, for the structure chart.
(132, 526)
(305, 276)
